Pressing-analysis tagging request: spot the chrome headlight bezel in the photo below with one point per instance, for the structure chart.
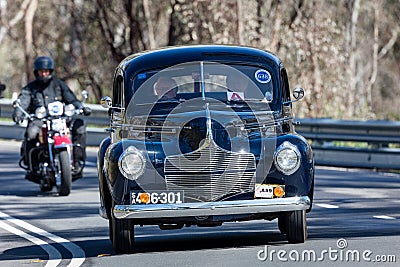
(69, 110)
(40, 112)
(131, 163)
(287, 158)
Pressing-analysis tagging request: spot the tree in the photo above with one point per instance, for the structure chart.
(344, 53)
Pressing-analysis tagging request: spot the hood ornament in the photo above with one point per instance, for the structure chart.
(209, 135)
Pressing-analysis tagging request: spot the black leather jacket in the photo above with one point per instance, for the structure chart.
(37, 94)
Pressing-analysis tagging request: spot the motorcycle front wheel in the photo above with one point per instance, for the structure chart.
(64, 169)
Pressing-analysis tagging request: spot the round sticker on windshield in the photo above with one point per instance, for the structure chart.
(262, 76)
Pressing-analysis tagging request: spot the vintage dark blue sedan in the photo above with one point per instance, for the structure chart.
(201, 135)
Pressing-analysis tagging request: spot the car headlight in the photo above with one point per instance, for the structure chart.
(40, 112)
(131, 163)
(287, 158)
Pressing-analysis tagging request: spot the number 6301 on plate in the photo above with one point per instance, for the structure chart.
(156, 197)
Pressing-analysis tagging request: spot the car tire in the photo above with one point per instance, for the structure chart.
(121, 235)
(296, 230)
(282, 225)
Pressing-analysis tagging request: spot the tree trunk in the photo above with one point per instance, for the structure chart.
(374, 73)
(353, 58)
(3, 13)
(149, 22)
(30, 13)
(240, 21)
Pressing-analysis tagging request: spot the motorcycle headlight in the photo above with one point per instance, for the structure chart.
(131, 163)
(69, 110)
(40, 112)
(55, 108)
(287, 158)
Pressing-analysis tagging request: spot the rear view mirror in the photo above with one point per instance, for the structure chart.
(85, 95)
(298, 93)
(106, 102)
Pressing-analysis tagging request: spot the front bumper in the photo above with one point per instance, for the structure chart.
(236, 207)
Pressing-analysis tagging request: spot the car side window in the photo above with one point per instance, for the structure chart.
(117, 91)
(285, 85)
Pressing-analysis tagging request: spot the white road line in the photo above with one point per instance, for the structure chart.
(54, 255)
(384, 217)
(327, 206)
(78, 255)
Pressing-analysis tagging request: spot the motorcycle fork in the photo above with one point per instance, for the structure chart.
(53, 169)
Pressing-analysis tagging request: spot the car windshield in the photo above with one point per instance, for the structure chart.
(228, 83)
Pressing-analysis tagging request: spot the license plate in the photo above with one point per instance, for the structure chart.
(269, 191)
(156, 197)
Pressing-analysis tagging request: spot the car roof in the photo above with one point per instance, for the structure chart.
(170, 56)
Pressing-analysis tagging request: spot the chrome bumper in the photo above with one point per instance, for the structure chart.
(255, 206)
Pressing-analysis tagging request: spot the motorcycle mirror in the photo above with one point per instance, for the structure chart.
(16, 103)
(85, 95)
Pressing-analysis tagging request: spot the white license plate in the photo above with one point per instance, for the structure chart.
(156, 197)
(267, 190)
(264, 191)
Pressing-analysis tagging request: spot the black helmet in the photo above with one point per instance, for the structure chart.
(43, 63)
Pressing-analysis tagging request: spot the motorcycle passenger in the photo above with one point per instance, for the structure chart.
(46, 88)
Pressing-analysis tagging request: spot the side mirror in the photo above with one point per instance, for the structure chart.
(16, 103)
(85, 95)
(106, 102)
(298, 93)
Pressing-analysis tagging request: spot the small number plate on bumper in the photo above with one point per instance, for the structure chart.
(156, 197)
(269, 191)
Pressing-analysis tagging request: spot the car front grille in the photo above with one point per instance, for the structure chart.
(210, 173)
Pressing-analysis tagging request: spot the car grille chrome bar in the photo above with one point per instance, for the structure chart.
(210, 173)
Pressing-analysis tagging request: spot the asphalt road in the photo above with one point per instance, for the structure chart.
(355, 222)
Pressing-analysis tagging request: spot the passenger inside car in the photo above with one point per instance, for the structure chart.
(165, 88)
(237, 87)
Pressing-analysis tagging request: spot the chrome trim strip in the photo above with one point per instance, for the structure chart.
(211, 208)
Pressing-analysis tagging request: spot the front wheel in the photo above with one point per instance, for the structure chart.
(64, 169)
(296, 226)
(121, 234)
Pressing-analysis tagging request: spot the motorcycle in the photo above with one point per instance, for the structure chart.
(50, 163)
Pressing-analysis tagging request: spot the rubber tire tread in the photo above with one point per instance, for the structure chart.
(121, 234)
(66, 176)
(296, 231)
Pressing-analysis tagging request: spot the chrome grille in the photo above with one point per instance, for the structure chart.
(210, 173)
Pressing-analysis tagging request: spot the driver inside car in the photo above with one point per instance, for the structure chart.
(165, 88)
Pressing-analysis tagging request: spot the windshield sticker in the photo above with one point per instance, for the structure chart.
(262, 76)
(235, 96)
(141, 76)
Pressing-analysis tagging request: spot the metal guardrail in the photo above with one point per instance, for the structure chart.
(362, 144)
(340, 143)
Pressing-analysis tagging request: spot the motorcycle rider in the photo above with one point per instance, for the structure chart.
(46, 88)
